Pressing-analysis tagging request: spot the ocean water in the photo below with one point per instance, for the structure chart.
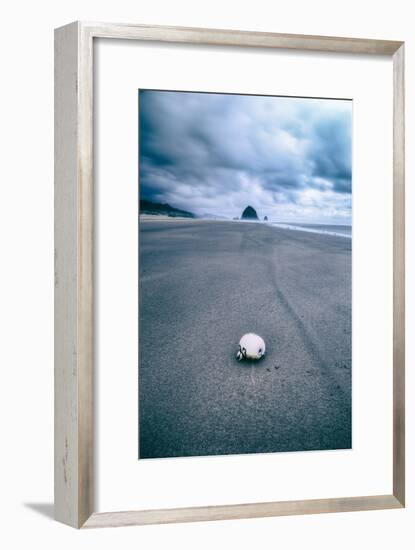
(335, 230)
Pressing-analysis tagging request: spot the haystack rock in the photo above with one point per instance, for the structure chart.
(249, 214)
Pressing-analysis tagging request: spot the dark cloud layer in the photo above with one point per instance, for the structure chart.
(290, 158)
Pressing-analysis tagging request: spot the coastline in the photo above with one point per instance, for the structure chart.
(343, 231)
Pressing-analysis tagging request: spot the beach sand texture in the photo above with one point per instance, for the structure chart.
(202, 286)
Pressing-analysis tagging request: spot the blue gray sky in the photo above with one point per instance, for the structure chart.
(289, 158)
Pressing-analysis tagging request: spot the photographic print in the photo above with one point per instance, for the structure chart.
(245, 274)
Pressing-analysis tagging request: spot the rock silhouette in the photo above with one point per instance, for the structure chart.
(155, 208)
(249, 214)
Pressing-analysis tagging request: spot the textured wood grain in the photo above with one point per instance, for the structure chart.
(85, 277)
(74, 240)
(73, 276)
(243, 38)
(66, 280)
(242, 511)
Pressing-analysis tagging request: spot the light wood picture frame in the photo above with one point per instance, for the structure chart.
(74, 273)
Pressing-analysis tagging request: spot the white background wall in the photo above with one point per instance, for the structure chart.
(26, 289)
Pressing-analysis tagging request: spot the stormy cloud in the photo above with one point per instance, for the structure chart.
(290, 158)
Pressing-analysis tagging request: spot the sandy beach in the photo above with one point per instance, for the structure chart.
(202, 286)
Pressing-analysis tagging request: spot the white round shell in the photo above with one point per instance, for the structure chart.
(251, 346)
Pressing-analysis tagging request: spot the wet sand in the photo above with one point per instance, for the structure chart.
(202, 286)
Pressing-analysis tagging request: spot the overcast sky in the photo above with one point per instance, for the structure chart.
(289, 158)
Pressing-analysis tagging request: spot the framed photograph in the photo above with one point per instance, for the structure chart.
(229, 274)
